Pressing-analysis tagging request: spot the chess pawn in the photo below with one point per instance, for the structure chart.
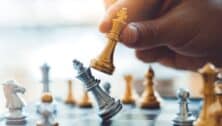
(184, 117)
(128, 94)
(104, 62)
(106, 87)
(209, 74)
(14, 103)
(85, 101)
(70, 98)
(149, 100)
(108, 106)
(215, 110)
(46, 111)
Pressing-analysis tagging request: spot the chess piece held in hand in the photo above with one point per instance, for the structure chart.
(14, 103)
(215, 110)
(184, 117)
(70, 98)
(108, 106)
(46, 111)
(209, 74)
(104, 62)
(128, 94)
(149, 100)
(85, 101)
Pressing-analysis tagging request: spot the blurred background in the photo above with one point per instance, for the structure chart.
(33, 32)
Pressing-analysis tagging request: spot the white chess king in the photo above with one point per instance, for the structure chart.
(14, 103)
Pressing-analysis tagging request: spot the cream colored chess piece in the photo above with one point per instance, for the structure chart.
(70, 98)
(85, 101)
(209, 74)
(128, 94)
(149, 100)
(215, 110)
(104, 62)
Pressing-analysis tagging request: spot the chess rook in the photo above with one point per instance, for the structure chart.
(128, 94)
(108, 106)
(184, 117)
(70, 98)
(104, 62)
(209, 74)
(45, 77)
(149, 100)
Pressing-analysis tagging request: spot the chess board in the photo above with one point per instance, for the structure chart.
(129, 116)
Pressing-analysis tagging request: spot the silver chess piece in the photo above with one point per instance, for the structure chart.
(108, 106)
(184, 117)
(45, 77)
(14, 103)
(107, 87)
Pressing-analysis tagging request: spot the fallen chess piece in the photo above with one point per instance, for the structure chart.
(14, 103)
(46, 111)
(184, 117)
(108, 106)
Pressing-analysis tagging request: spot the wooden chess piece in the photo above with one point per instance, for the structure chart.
(215, 110)
(149, 100)
(209, 74)
(70, 98)
(128, 94)
(85, 101)
(104, 62)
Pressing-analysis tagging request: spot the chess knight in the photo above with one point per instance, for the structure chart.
(14, 103)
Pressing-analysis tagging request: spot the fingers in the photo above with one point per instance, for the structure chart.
(137, 10)
(167, 57)
(108, 3)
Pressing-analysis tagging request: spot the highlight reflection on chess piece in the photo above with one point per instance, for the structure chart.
(85, 100)
(104, 62)
(128, 94)
(149, 100)
(14, 103)
(46, 111)
(70, 98)
(215, 110)
(183, 117)
(108, 106)
(209, 74)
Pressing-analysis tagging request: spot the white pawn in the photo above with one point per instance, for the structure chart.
(14, 103)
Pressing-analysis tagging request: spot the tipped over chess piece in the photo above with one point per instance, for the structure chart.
(209, 74)
(215, 110)
(128, 94)
(70, 98)
(46, 111)
(104, 62)
(149, 100)
(14, 103)
(85, 101)
(108, 106)
(184, 117)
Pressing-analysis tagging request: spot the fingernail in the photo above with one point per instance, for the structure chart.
(129, 34)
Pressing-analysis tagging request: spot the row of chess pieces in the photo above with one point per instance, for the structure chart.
(148, 99)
